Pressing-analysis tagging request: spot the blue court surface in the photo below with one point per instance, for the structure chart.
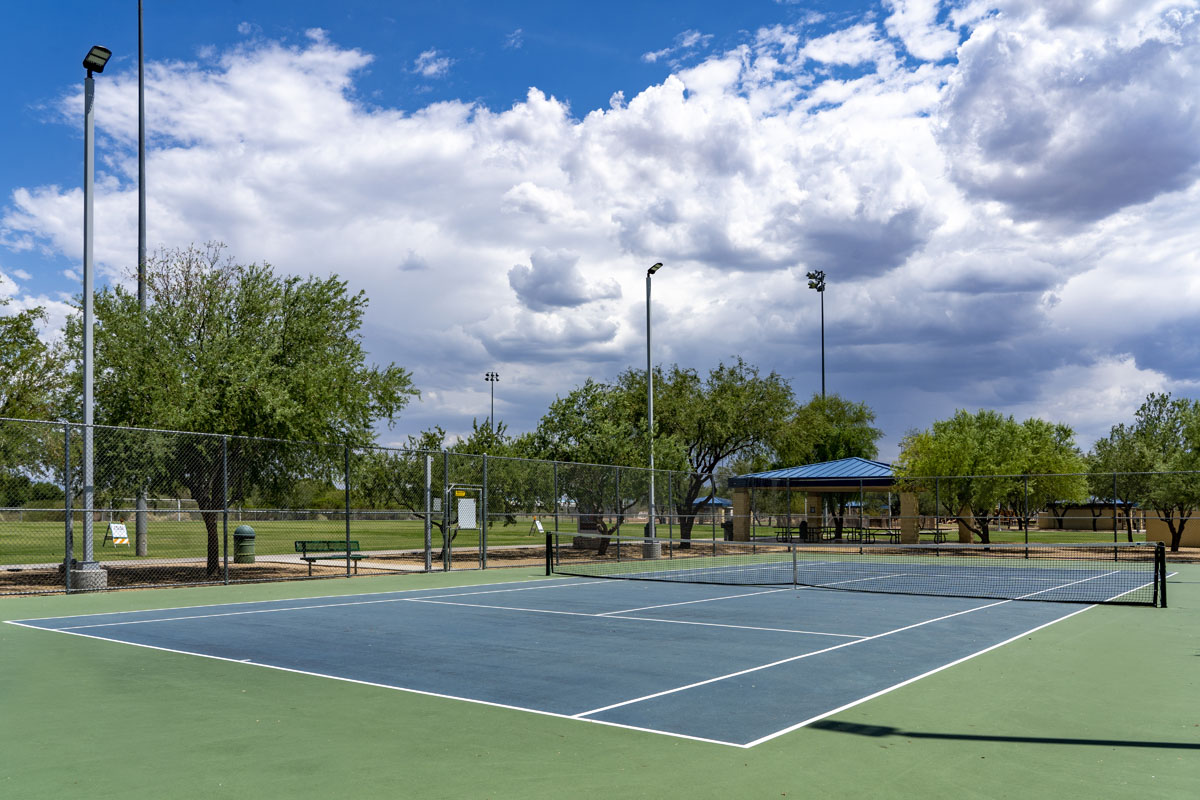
(729, 665)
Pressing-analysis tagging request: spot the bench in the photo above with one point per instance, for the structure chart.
(311, 550)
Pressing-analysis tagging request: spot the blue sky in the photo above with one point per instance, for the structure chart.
(1002, 194)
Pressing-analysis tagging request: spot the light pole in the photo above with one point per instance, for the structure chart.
(650, 548)
(492, 378)
(89, 575)
(140, 516)
(816, 280)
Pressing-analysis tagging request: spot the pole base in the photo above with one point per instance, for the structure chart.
(88, 576)
(652, 549)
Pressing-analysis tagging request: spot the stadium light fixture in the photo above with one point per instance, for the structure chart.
(650, 548)
(96, 58)
(491, 378)
(816, 280)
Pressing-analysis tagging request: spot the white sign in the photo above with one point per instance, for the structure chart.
(118, 534)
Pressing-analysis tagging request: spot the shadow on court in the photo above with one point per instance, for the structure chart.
(879, 731)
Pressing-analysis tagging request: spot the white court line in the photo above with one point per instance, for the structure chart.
(633, 619)
(690, 602)
(278, 610)
(913, 679)
(317, 597)
(783, 661)
(819, 652)
(404, 689)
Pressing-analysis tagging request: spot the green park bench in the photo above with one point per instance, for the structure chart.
(311, 550)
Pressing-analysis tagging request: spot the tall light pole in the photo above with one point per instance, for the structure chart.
(90, 575)
(650, 548)
(492, 378)
(816, 280)
(140, 516)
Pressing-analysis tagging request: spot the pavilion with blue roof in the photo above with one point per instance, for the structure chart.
(845, 475)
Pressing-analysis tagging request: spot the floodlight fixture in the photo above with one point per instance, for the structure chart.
(491, 378)
(654, 268)
(816, 280)
(96, 58)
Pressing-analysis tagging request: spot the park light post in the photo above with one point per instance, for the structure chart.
(816, 280)
(492, 378)
(88, 574)
(140, 528)
(650, 547)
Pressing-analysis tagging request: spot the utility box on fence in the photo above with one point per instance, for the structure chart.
(243, 545)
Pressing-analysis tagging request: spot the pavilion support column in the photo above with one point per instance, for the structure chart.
(910, 521)
(741, 515)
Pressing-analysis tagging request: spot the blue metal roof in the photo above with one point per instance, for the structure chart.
(844, 471)
(716, 501)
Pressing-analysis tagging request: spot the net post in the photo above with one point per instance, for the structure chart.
(549, 552)
(795, 567)
(1160, 566)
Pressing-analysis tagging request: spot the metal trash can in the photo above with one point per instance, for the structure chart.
(243, 545)
(727, 529)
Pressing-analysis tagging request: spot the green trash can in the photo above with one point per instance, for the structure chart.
(243, 545)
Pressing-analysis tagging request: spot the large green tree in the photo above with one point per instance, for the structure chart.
(829, 428)
(596, 424)
(734, 411)
(32, 371)
(32, 380)
(978, 463)
(237, 349)
(1119, 467)
(1164, 439)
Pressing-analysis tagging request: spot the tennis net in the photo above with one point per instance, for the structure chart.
(1118, 573)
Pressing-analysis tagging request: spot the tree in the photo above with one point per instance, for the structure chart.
(236, 349)
(732, 412)
(1120, 452)
(595, 424)
(830, 428)
(31, 370)
(1051, 467)
(978, 460)
(1165, 438)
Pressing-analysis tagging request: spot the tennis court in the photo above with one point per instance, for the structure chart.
(731, 665)
(1101, 703)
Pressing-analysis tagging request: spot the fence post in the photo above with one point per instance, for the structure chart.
(428, 513)
(937, 509)
(68, 544)
(483, 525)
(712, 482)
(556, 496)
(225, 502)
(1025, 514)
(445, 511)
(1114, 502)
(346, 492)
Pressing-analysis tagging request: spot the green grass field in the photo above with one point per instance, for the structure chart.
(42, 542)
(1100, 705)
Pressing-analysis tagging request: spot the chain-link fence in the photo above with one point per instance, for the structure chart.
(84, 509)
(1068, 508)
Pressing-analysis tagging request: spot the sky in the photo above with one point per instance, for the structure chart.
(1003, 195)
